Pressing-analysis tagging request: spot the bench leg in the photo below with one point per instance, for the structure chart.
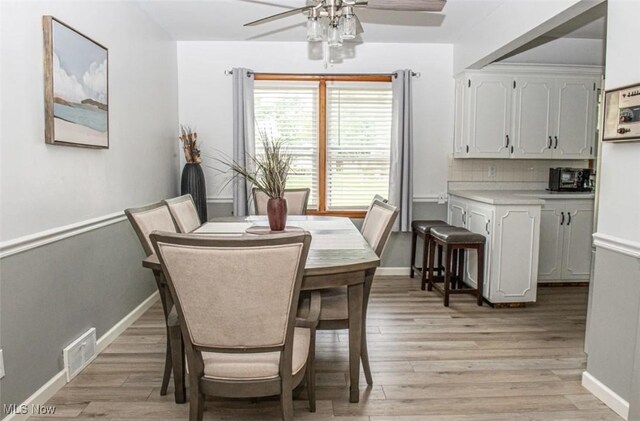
(431, 247)
(425, 262)
(480, 285)
(460, 282)
(414, 238)
(447, 273)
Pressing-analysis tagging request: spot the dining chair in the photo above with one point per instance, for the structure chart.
(145, 220)
(236, 300)
(297, 200)
(334, 314)
(184, 213)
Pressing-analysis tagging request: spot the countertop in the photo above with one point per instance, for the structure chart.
(519, 197)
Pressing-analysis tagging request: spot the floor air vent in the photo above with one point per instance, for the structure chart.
(79, 353)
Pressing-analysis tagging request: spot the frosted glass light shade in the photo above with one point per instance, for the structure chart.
(333, 37)
(348, 24)
(314, 30)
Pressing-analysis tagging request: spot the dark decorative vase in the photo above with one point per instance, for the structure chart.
(277, 213)
(193, 183)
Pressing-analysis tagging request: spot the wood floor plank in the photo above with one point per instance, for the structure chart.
(429, 363)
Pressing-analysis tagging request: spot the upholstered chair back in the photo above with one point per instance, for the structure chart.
(297, 200)
(184, 213)
(146, 219)
(234, 293)
(377, 225)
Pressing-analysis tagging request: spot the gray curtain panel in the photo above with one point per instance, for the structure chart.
(401, 166)
(243, 135)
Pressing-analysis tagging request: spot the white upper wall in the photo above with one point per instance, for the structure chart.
(205, 95)
(46, 186)
(572, 51)
(511, 25)
(619, 201)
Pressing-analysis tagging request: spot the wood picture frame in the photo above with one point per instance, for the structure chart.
(76, 87)
(622, 114)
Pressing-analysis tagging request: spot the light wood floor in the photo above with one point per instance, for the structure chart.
(429, 363)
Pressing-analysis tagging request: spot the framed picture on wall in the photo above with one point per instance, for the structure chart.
(76, 87)
(622, 114)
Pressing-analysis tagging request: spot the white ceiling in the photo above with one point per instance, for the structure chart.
(222, 20)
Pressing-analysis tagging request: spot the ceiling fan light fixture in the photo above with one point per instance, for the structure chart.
(314, 29)
(334, 35)
(348, 25)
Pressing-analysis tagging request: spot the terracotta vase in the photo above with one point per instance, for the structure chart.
(277, 213)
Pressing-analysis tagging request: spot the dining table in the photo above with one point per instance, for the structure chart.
(339, 256)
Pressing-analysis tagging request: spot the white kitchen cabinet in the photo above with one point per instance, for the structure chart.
(511, 250)
(565, 240)
(534, 117)
(489, 116)
(575, 130)
(526, 112)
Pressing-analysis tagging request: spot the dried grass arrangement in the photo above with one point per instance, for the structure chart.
(189, 139)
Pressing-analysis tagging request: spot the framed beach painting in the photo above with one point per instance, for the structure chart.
(76, 87)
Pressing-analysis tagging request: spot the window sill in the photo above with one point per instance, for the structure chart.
(343, 213)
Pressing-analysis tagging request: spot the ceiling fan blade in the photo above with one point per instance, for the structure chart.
(408, 5)
(279, 16)
(359, 28)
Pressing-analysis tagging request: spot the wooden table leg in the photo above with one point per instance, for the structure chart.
(355, 293)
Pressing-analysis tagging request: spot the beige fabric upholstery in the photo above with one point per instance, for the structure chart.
(296, 202)
(234, 297)
(256, 366)
(335, 305)
(157, 219)
(375, 223)
(185, 215)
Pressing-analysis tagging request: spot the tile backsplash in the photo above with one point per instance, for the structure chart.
(511, 170)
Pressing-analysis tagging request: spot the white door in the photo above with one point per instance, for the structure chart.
(552, 219)
(534, 112)
(479, 221)
(460, 144)
(489, 116)
(457, 212)
(575, 130)
(577, 240)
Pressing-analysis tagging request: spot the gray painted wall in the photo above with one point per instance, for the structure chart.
(398, 250)
(52, 294)
(614, 321)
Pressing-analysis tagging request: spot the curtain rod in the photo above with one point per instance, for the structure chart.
(395, 74)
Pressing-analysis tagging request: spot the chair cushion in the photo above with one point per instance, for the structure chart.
(425, 226)
(456, 235)
(172, 318)
(256, 365)
(335, 305)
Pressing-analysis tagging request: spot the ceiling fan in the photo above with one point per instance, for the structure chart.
(340, 20)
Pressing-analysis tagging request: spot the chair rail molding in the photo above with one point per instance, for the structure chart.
(39, 239)
(617, 244)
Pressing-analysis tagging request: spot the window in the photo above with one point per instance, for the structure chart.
(339, 130)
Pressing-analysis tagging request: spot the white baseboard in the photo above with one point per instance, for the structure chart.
(46, 392)
(606, 395)
(392, 271)
(110, 335)
(40, 397)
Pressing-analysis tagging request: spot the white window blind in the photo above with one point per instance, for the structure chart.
(358, 143)
(289, 111)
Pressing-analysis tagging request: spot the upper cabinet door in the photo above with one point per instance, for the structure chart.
(489, 116)
(533, 117)
(460, 143)
(575, 128)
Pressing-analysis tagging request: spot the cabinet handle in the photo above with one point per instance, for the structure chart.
(562, 221)
(556, 139)
(486, 227)
(507, 145)
(550, 142)
(569, 216)
(464, 218)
